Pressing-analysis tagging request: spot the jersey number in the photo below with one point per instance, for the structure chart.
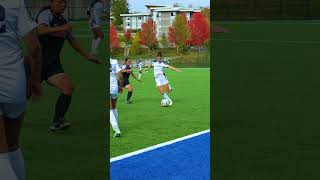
(2, 19)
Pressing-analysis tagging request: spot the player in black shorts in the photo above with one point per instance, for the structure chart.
(53, 30)
(126, 72)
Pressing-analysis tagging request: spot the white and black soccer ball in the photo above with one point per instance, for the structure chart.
(165, 102)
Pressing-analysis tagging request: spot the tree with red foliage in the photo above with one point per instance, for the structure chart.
(114, 40)
(200, 30)
(128, 36)
(179, 32)
(148, 34)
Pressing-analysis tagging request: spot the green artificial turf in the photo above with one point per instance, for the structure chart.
(79, 153)
(266, 100)
(145, 123)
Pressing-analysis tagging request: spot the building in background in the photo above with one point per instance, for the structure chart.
(162, 16)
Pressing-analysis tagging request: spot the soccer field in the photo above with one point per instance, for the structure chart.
(145, 123)
(266, 91)
(79, 153)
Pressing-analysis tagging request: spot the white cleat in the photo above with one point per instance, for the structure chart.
(117, 134)
(170, 102)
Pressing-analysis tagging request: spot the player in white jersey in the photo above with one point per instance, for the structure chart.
(139, 66)
(115, 88)
(95, 13)
(16, 25)
(161, 80)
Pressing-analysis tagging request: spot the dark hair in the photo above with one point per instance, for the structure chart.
(126, 59)
(159, 54)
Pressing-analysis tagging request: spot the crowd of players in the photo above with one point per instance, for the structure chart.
(119, 79)
(21, 75)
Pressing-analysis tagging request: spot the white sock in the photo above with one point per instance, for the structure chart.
(97, 42)
(6, 171)
(113, 122)
(140, 75)
(93, 44)
(115, 112)
(17, 163)
(166, 96)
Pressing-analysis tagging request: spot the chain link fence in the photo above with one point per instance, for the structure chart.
(266, 9)
(75, 10)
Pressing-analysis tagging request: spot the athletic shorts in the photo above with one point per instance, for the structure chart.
(161, 80)
(12, 111)
(125, 82)
(49, 70)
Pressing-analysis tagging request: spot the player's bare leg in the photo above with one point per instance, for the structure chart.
(97, 38)
(64, 84)
(11, 158)
(114, 117)
(168, 90)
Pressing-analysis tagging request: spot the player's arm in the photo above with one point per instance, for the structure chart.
(148, 67)
(33, 60)
(44, 29)
(120, 81)
(175, 69)
(75, 44)
(134, 76)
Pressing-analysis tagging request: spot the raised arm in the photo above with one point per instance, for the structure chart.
(173, 68)
(134, 76)
(44, 29)
(75, 44)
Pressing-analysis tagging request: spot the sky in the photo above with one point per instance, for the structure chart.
(138, 5)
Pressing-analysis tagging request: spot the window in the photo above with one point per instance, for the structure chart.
(140, 17)
(172, 13)
(128, 18)
(128, 24)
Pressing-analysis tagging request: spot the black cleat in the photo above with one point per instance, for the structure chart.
(59, 126)
(129, 101)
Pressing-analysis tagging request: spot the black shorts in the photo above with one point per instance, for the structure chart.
(51, 69)
(125, 82)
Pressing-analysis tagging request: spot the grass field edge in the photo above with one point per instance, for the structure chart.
(121, 157)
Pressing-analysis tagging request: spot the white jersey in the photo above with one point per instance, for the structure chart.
(96, 11)
(140, 65)
(15, 23)
(158, 68)
(114, 70)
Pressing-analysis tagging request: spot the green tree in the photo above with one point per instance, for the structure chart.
(119, 7)
(135, 47)
(179, 32)
(164, 40)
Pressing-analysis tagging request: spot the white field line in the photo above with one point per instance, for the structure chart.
(118, 158)
(270, 41)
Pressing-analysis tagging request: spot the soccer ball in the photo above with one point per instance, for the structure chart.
(165, 102)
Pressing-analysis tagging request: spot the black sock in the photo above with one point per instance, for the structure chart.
(129, 95)
(62, 106)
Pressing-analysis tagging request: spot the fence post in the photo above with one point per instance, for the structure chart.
(281, 9)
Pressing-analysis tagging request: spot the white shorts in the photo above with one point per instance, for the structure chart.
(161, 80)
(114, 91)
(12, 111)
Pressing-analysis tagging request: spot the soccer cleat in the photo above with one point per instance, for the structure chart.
(117, 134)
(59, 126)
(94, 52)
(129, 101)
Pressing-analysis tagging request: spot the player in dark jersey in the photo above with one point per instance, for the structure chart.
(126, 72)
(54, 30)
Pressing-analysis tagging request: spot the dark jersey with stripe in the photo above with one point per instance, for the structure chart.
(52, 44)
(125, 74)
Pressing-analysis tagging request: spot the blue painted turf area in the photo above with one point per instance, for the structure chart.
(185, 160)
